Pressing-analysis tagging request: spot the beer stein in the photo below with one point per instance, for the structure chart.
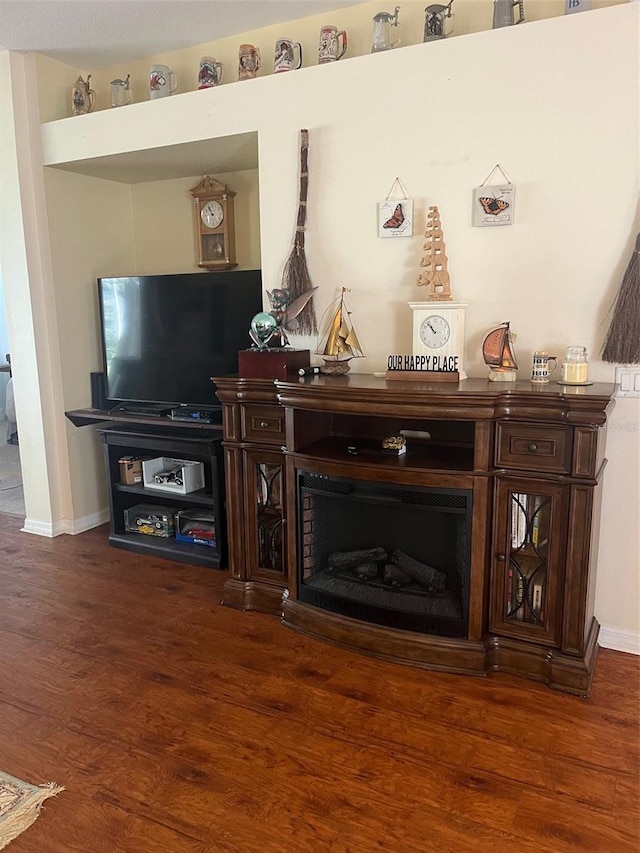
(503, 13)
(83, 98)
(541, 369)
(437, 22)
(329, 48)
(121, 93)
(382, 23)
(248, 61)
(210, 73)
(162, 81)
(285, 55)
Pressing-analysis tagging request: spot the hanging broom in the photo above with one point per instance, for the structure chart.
(622, 343)
(295, 276)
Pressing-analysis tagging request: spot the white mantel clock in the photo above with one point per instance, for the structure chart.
(438, 332)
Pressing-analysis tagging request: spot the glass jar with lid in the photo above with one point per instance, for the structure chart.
(575, 367)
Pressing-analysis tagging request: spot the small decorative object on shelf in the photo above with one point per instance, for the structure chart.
(503, 15)
(395, 216)
(339, 343)
(285, 58)
(436, 275)
(285, 312)
(575, 367)
(571, 6)
(215, 225)
(332, 45)
(150, 520)
(382, 24)
(497, 351)
(263, 361)
(121, 93)
(438, 323)
(494, 205)
(394, 445)
(83, 97)
(210, 73)
(162, 81)
(438, 22)
(249, 61)
(541, 369)
(263, 327)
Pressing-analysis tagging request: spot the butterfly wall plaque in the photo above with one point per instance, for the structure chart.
(395, 217)
(494, 205)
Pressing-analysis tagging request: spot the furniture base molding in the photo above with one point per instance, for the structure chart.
(568, 673)
(251, 595)
(444, 654)
(463, 657)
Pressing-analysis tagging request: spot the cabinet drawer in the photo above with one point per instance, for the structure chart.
(534, 448)
(264, 424)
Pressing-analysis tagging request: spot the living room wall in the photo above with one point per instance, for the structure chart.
(439, 116)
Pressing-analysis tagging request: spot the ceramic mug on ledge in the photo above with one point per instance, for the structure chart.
(333, 44)
(248, 61)
(162, 81)
(210, 73)
(285, 56)
(541, 368)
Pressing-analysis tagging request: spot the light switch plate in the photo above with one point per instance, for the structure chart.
(628, 378)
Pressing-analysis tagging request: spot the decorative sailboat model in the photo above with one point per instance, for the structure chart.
(497, 351)
(339, 342)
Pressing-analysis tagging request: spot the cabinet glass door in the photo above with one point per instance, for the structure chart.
(528, 561)
(265, 514)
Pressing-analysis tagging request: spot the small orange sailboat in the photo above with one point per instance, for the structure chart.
(497, 351)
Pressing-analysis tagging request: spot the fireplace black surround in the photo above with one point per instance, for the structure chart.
(390, 555)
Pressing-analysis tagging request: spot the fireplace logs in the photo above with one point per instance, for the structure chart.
(423, 574)
(352, 559)
(399, 570)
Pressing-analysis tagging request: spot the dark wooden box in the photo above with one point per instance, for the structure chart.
(272, 363)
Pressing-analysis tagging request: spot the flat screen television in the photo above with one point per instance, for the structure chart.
(165, 336)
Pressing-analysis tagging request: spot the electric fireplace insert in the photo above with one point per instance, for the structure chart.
(389, 554)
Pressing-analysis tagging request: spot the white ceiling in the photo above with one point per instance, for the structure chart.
(93, 34)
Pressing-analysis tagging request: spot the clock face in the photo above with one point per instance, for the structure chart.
(212, 214)
(435, 331)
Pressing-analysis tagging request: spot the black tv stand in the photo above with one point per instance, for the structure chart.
(139, 434)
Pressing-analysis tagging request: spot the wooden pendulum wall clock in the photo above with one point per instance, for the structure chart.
(215, 227)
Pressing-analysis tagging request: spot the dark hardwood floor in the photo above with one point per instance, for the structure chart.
(180, 725)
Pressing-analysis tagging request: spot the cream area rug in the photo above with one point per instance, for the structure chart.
(20, 805)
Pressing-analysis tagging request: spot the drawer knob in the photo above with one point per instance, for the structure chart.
(264, 424)
(500, 558)
(533, 447)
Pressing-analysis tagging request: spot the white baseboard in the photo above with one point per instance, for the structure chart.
(65, 525)
(620, 640)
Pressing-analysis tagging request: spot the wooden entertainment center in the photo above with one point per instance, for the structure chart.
(528, 460)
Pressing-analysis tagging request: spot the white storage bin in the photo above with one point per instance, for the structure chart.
(178, 476)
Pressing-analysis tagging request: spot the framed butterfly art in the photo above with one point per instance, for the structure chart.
(494, 205)
(395, 217)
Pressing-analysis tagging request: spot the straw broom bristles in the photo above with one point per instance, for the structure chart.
(622, 343)
(295, 276)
